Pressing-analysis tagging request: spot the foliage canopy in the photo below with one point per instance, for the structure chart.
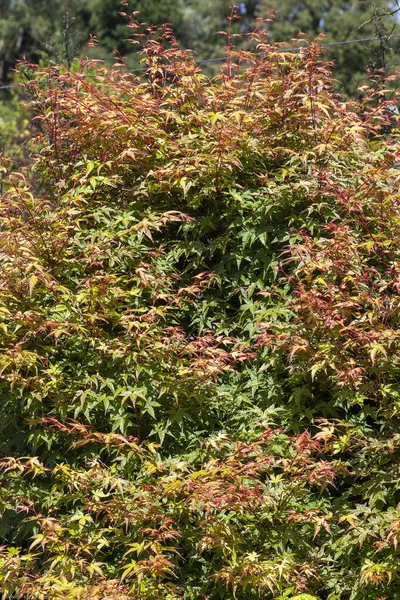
(56, 31)
(343, 20)
(199, 325)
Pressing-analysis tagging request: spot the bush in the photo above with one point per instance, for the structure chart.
(199, 331)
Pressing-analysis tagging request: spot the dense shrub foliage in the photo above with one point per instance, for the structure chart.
(199, 302)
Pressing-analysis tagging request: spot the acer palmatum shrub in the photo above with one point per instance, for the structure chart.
(199, 301)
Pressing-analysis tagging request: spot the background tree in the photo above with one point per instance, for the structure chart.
(59, 30)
